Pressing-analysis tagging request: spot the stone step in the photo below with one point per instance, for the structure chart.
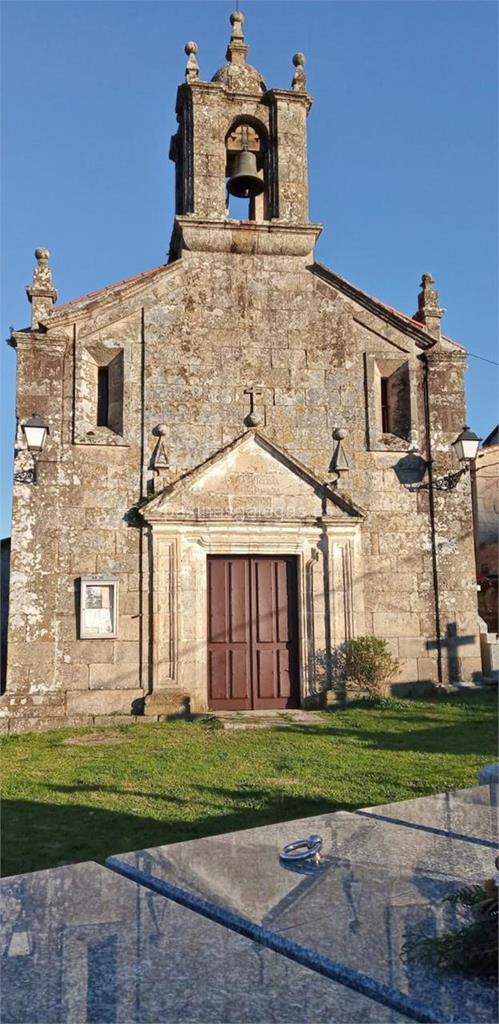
(267, 723)
(17, 725)
(104, 702)
(244, 720)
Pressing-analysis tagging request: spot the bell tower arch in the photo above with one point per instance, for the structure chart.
(236, 137)
(246, 170)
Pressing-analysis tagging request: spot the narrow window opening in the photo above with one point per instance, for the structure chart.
(394, 401)
(385, 407)
(103, 396)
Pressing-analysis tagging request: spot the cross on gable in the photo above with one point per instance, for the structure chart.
(253, 419)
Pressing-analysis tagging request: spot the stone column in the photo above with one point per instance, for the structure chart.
(166, 697)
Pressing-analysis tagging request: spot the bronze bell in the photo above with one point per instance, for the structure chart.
(245, 182)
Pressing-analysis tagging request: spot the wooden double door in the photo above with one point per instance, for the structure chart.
(252, 632)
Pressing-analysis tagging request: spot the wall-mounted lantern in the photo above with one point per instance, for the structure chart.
(466, 448)
(35, 431)
(466, 445)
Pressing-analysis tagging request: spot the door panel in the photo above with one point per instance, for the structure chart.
(217, 664)
(274, 632)
(237, 590)
(264, 682)
(263, 603)
(283, 610)
(229, 676)
(240, 685)
(284, 674)
(252, 633)
(217, 611)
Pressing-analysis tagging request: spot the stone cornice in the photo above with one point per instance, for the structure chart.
(291, 95)
(28, 337)
(440, 354)
(212, 88)
(78, 309)
(267, 238)
(157, 520)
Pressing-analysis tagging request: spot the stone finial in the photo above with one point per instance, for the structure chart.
(237, 51)
(159, 463)
(429, 312)
(192, 66)
(299, 83)
(428, 296)
(339, 463)
(41, 292)
(237, 21)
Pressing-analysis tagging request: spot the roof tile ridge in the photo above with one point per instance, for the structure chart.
(385, 305)
(111, 287)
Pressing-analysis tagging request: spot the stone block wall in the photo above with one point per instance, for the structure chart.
(197, 336)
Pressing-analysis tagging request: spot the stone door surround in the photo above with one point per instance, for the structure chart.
(250, 498)
(330, 605)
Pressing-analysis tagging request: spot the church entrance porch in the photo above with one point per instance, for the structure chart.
(252, 633)
(324, 607)
(255, 576)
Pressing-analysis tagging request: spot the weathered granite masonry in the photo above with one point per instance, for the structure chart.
(297, 412)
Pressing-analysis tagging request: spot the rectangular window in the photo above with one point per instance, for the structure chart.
(99, 392)
(391, 399)
(398, 402)
(103, 396)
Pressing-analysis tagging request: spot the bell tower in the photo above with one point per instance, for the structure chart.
(237, 138)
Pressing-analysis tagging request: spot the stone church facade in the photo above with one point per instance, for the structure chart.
(249, 460)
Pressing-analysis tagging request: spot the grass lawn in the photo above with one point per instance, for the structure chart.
(82, 794)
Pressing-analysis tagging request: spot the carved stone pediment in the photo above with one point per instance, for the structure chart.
(250, 480)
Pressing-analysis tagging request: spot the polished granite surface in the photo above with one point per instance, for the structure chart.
(82, 944)
(469, 814)
(379, 885)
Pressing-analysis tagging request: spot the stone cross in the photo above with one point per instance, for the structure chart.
(253, 418)
(429, 312)
(452, 642)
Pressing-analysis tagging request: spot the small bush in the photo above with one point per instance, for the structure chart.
(367, 665)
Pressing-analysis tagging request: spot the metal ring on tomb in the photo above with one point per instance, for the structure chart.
(302, 849)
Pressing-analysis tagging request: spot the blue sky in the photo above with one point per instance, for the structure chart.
(402, 149)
